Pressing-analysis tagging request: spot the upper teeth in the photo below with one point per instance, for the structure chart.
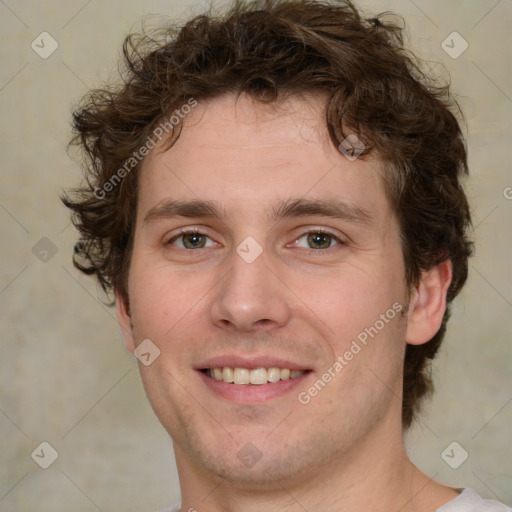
(255, 376)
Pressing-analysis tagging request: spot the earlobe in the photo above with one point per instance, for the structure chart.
(428, 304)
(123, 317)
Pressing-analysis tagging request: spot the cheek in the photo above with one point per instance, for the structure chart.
(349, 300)
(357, 313)
(158, 298)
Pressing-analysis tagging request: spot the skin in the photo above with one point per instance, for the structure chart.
(343, 450)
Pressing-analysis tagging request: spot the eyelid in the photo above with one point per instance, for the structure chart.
(324, 231)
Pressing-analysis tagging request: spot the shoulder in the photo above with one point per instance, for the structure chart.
(470, 501)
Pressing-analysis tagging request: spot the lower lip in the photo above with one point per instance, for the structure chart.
(252, 393)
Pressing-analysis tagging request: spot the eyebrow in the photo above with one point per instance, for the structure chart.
(336, 209)
(287, 209)
(190, 209)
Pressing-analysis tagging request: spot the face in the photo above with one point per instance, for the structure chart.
(261, 253)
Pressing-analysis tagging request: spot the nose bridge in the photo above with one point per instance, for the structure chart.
(249, 297)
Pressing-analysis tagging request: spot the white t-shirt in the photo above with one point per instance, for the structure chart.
(468, 501)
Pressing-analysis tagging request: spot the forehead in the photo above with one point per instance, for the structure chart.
(248, 154)
(233, 125)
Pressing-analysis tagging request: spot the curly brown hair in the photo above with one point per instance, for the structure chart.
(269, 49)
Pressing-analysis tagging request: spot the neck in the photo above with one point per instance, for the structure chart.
(374, 475)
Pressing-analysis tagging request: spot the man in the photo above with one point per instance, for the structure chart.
(274, 197)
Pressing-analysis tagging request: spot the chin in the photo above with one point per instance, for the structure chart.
(264, 464)
(266, 474)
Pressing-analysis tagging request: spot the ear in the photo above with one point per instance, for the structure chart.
(123, 317)
(428, 304)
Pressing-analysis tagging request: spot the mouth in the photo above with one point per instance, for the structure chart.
(252, 383)
(254, 376)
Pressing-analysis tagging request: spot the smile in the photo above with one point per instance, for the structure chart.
(254, 376)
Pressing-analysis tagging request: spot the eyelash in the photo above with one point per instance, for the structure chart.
(192, 231)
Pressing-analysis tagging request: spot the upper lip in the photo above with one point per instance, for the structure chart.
(249, 362)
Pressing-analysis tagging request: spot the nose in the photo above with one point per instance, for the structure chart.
(250, 298)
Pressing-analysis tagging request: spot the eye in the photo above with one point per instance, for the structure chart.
(191, 240)
(317, 240)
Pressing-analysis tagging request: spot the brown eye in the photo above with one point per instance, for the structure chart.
(191, 240)
(194, 240)
(319, 240)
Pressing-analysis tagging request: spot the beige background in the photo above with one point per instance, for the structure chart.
(65, 377)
